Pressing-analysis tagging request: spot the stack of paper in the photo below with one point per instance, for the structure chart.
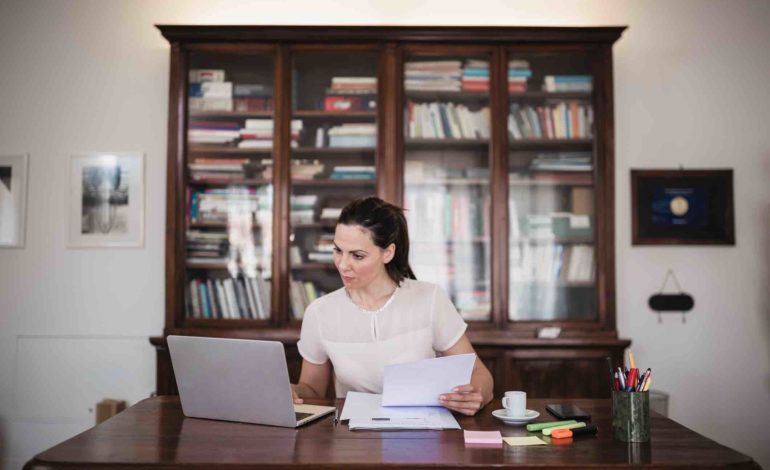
(365, 411)
(483, 438)
(420, 383)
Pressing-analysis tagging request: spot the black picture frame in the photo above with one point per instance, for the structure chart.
(682, 207)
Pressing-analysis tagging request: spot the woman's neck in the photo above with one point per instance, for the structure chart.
(374, 295)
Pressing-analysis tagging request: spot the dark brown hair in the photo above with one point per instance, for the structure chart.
(386, 224)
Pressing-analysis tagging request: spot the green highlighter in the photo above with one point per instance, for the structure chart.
(540, 426)
(548, 431)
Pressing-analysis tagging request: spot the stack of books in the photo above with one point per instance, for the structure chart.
(323, 251)
(582, 83)
(351, 172)
(217, 169)
(208, 91)
(437, 75)
(564, 120)
(446, 121)
(475, 75)
(303, 209)
(213, 132)
(306, 169)
(552, 263)
(221, 204)
(351, 94)
(258, 133)
(252, 97)
(562, 162)
(518, 74)
(353, 135)
(330, 214)
(207, 247)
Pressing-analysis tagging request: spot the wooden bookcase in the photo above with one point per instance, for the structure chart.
(498, 141)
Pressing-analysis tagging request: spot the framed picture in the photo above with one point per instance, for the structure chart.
(13, 200)
(682, 207)
(106, 207)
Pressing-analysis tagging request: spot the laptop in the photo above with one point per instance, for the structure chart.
(237, 380)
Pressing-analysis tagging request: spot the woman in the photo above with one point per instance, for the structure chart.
(382, 315)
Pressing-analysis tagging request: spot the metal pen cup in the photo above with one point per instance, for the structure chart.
(631, 416)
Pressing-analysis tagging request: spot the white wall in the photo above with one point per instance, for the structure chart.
(691, 89)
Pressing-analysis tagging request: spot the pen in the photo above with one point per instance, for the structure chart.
(642, 380)
(622, 379)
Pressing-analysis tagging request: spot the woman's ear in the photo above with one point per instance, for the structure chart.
(389, 253)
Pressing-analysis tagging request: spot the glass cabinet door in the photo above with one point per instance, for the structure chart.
(551, 187)
(334, 143)
(446, 175)
(229, 185)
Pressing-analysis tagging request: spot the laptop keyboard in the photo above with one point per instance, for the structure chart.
(301, 416)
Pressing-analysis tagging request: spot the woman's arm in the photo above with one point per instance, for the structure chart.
(313, 381)
(469, 399)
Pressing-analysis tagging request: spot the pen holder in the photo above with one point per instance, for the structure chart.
(631, 416)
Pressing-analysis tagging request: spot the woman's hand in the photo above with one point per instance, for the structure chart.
(466, 399)
(295, 397)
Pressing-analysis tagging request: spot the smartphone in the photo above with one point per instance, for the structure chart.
(568, 412)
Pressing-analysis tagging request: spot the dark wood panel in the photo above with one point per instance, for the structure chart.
(154, 434)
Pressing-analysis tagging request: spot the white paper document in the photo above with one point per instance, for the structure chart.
(365, 411)
(420, 383)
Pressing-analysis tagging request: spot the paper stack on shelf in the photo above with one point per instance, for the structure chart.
(351, 172)
(213, 132)
(303, 208)
(554, 83)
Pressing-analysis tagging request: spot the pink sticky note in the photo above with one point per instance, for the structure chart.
(483, 438)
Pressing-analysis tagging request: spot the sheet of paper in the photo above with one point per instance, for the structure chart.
(420, 383)
(365, 411)
(524, 441)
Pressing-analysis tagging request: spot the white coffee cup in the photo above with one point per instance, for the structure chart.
(515, 404)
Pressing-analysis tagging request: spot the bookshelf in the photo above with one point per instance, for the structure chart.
(497, 141)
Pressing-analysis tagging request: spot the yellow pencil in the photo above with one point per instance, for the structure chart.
(647, 385)
(631, 363)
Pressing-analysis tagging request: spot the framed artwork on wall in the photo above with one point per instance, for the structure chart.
(106, 204)
(682, 207)
(13, 200)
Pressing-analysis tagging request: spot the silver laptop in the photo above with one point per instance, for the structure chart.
(237, 380)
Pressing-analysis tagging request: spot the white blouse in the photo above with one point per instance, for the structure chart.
(418, 321)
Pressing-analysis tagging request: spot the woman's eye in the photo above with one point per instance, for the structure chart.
(337, 250)
(358, 257)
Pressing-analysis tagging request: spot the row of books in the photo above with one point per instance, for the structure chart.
(552, 263)
(441, 214)
(545, 226)
(209, 91)
(303, 210)
(564, 120)
(446, 121)
(228, 204)
(231, 298)
(351, 94)
(301, 294)
(436, 75)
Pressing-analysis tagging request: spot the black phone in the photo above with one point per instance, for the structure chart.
(568, 412)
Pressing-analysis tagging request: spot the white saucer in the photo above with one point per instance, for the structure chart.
(529, 415)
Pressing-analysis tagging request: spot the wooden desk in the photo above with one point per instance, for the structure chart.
(155, 434)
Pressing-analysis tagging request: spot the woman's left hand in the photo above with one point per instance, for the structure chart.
(466, 399)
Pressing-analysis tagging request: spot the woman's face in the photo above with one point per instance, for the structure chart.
(357, 258)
